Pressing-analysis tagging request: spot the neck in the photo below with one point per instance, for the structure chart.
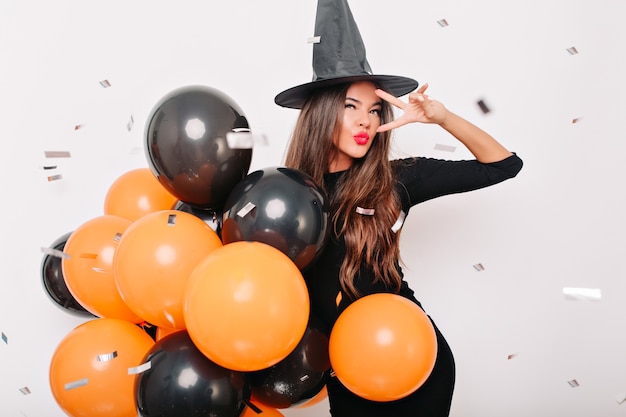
(339, 164)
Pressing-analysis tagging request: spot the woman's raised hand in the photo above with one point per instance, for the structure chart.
(419, 108)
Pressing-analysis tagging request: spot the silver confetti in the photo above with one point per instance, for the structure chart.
(107, 356)
(246, 209)
(483, 106)
(76, 384)
(245, 140)
(105, 83)
(365, 211)
(140, 369)
(55, 252)
(572, 50)
(398, 224)
(445, 148)
(57, 154)
(130, 124)
(573, 383)
(582, 294)
(443, 23)
(479, 267)
(25, 390)
(240, 140)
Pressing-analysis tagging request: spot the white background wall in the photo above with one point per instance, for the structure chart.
(559, 224)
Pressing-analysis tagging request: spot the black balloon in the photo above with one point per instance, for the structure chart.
(211, 217)
(54, 281)
(300, 376)
(187, 149)
(150, 329)
(182, 381)
(282, 207)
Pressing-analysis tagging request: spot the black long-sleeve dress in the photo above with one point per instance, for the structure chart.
(417, 180)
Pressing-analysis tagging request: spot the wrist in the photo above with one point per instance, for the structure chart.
(446, 119)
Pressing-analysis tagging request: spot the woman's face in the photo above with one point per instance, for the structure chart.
(361, 118)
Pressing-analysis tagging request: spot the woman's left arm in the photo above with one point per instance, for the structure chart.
(423, 109)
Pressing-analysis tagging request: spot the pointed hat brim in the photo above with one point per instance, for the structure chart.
(295, 97)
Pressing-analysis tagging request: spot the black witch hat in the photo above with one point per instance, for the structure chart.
(339, 57)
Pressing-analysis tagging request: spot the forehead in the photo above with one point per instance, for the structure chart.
(363, 91)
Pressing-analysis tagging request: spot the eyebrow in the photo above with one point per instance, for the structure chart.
(377, 103)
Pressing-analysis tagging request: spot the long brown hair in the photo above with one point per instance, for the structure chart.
(368, 183)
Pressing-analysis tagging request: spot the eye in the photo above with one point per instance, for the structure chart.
(377, 112)
(350, 106)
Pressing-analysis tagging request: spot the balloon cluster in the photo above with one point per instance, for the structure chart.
(192, 280)
(231, 315)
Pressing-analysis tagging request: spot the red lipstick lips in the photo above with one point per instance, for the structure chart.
(361, 138)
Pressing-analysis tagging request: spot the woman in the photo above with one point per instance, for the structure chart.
(342, 139)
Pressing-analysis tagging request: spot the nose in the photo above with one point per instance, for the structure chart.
(364, 120)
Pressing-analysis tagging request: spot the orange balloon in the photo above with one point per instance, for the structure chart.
(88, 269)
(137, 193)
(246, 306)
(161, 332)
(91, 370)
(154, 260)
(266, 410)
(383, 347)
